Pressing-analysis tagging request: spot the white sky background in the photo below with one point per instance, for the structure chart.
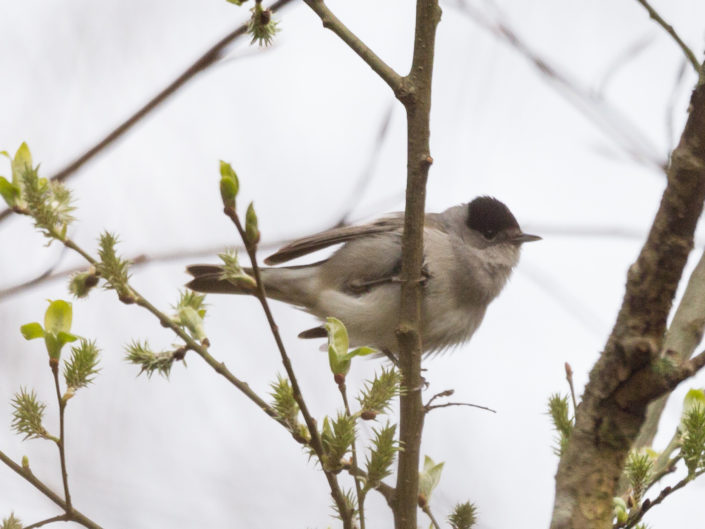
(299, 123)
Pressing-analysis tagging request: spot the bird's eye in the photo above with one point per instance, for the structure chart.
(489, 234)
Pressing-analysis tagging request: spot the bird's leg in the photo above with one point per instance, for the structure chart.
(391, 357)
(359, 287)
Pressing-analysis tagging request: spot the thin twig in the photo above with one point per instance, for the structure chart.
(358, 488)
(204, 61)
(330, 21)
(445, 393)
(315, 443)
(427, 510)
(60, 518)
(672, 32)
(447, 404)
(648, 504)
(27, 474)
(387, 491)
(62, 439)
(198, 348)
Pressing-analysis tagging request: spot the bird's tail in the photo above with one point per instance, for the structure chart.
(295, 284)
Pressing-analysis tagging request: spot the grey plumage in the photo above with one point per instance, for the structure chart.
(469, 253)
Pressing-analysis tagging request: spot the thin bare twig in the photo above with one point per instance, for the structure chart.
(315, 443)
(672, 32)
(38, 484)
(427, 510)
(60, 518)
(330, 21)
(358, 487)
(447, 404)
(648, 504)
(62, 438)
(204, 61)
(447, 393)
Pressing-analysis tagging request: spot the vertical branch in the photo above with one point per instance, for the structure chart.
(315, 443)
(417, 101)
(62, 440)
(358, 488)
(626, 377)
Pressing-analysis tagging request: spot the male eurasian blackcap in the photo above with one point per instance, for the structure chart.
(469, 253)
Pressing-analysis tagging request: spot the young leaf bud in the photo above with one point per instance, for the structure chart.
(251, 229)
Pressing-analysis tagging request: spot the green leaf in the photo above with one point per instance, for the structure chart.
(10, 192)
(237, 2)
(33, 330)
(429, 477)
(337, 346)
(361, 351)
(66, 337)
(20, 163)
(58, 317)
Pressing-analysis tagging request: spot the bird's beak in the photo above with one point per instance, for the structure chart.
(525, 237)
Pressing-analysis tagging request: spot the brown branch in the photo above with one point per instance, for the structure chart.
(38, 484)
(672, 32)
(358, 487)
(387, 491)
(59, 518)
(648, 504)
(417, 103)
(614, 402)
(315, 443)
(61, 444)
(204, 61)
(447, 393)
(330, 21)
(427, 510)
(683, 336)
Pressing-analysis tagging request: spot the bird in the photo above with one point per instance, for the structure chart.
(469, 250)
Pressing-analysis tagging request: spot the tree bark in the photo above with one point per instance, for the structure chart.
(630, 373)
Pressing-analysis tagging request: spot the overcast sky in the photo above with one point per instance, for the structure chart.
(299, 122)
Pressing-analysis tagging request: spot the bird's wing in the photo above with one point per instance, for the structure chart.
(327, 238)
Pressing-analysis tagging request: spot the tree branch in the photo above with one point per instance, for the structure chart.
(614, 403)
(59, 518)
(672, 32)
(315, 443)
(683, 336)
(418, 108)
(62, 438)
(330, 21)
(27, 474)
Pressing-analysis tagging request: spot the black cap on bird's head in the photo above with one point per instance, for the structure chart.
(490, 217)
